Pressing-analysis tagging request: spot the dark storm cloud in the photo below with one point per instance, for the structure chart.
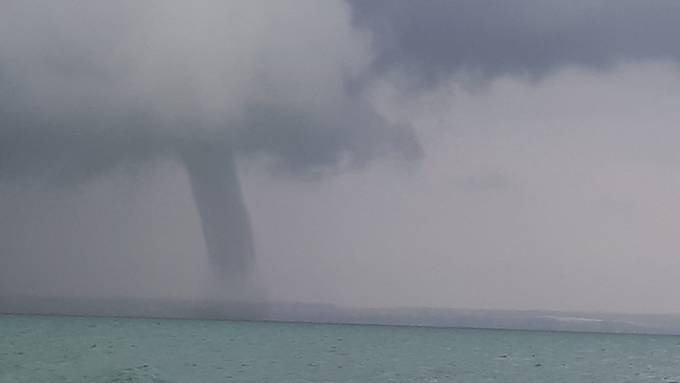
(308, 143)
(434, 38)
(66, 150)
(84, 89)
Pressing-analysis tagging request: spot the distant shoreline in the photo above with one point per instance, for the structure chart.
(327, 314)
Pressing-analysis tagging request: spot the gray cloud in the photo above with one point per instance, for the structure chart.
(432, 39)
(85, 88)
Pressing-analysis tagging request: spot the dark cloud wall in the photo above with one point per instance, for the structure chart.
(435, 38)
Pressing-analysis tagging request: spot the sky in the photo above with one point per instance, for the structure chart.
(470, 154)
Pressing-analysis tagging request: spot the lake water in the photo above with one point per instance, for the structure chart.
(37, 349)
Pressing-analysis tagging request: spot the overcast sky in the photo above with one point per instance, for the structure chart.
(475, 154)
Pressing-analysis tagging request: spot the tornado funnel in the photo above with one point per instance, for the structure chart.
(219, 201)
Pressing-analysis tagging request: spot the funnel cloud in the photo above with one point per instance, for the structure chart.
(224, 217)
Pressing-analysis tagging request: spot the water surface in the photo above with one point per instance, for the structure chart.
(35, 349)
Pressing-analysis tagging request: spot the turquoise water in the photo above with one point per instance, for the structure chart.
(72, 349)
